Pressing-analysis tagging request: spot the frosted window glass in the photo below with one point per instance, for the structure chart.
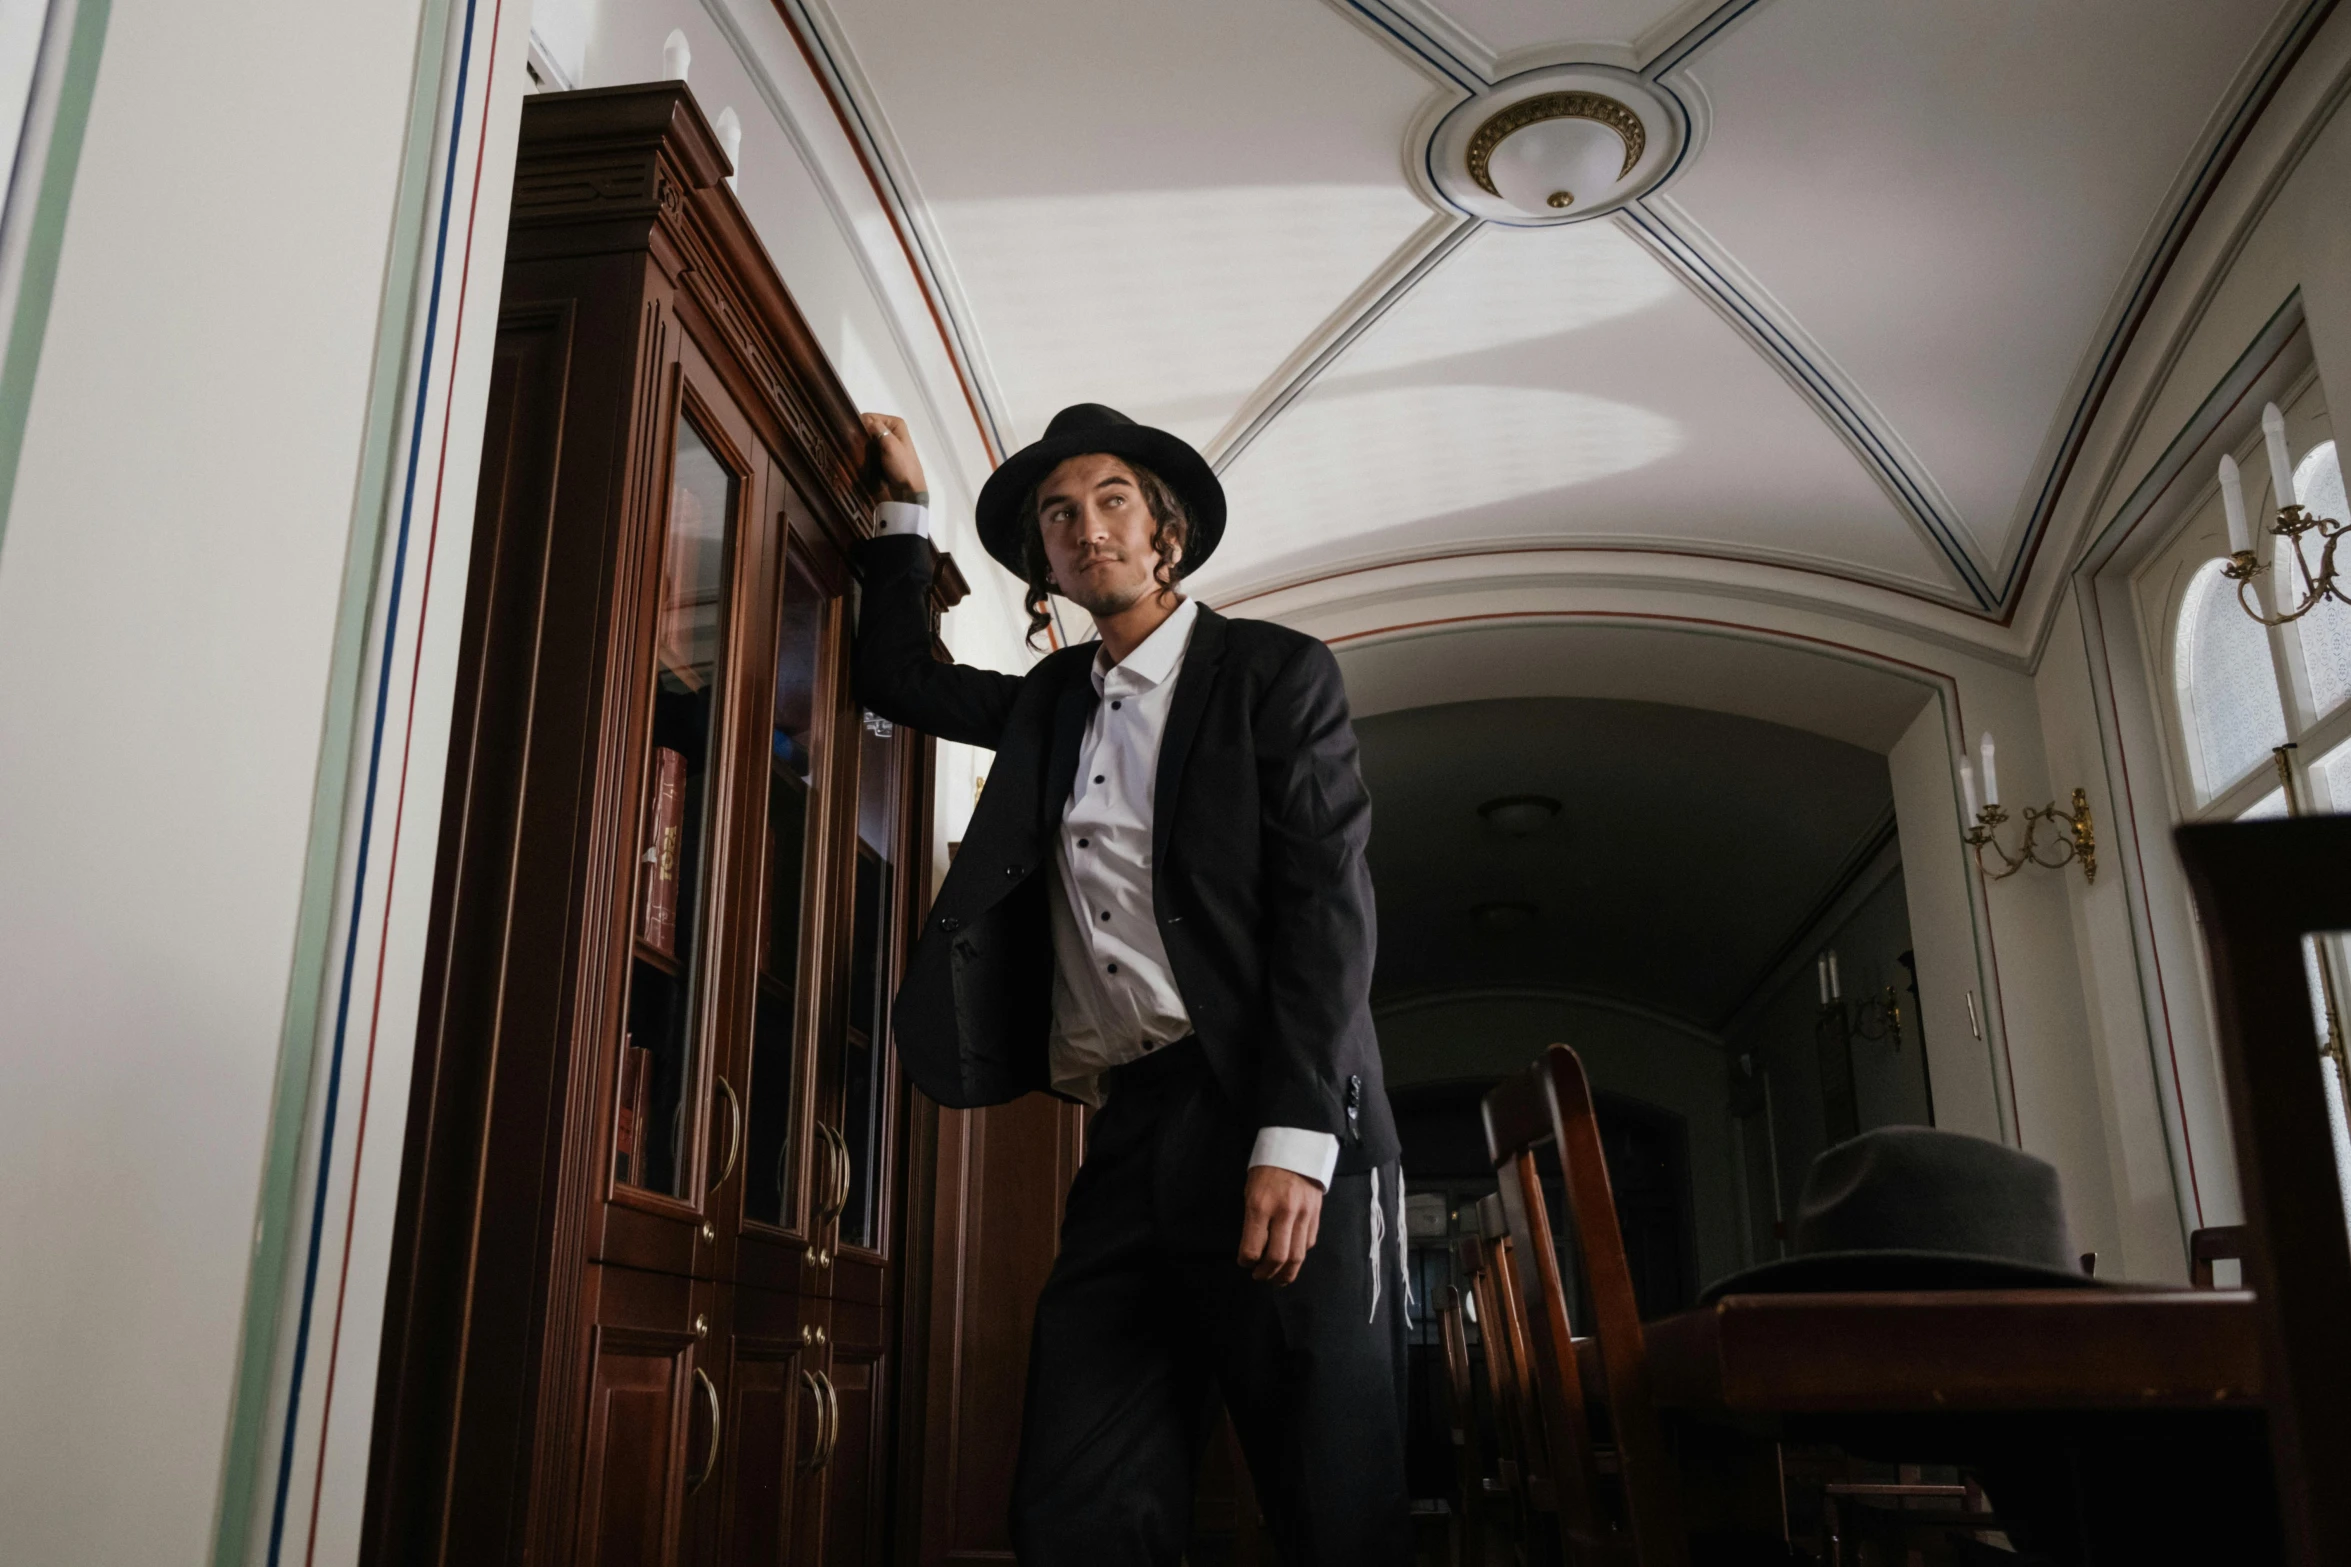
(2332, 1086)
(2332, 774)
(2269, 807)
(2228, 693)
(2325, 632)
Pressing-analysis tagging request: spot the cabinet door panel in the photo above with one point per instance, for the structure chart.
(779, 1419)
(854, 1482)
(649, 1437)
(634, 1425)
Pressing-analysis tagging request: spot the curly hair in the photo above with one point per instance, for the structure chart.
(1171, 527)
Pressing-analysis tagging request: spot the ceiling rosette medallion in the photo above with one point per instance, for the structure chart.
(1557, 145)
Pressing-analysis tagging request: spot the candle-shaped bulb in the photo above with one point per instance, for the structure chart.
(1991, 772)
(1822, 965)
(729, 126)
(676, 55)
(2232, 500)
(2281, 465)
(1967, 789)
(1836, 985)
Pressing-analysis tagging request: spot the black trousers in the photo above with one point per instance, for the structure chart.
(1146, 1316)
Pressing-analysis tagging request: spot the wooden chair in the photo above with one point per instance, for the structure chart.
(1461, 1417)
(1484, 1260)
(1637, 1520)
(2217, 1243)
(2262, 887)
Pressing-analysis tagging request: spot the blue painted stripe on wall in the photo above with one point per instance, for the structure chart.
(375, 756)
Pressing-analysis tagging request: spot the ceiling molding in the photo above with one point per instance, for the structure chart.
(1684, 32)
(2173, 319)
(1424, 34)
(1678, 242)
(2199, 180)
(1579, 571)
(1422, 254)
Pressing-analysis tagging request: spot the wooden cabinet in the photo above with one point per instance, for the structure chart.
(647, 1278)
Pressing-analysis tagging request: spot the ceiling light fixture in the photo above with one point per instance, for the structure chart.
(1558, 145)
(1520, 815)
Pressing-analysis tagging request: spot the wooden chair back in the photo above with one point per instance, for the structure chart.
(1551, 1102)
(1461, 1417)
(2262, 887)
(2217, 1243)
(1485, 1261)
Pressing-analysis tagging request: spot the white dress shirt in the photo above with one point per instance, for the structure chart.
(1114, 992)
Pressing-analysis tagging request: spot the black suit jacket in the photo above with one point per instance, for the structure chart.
(1259, 823)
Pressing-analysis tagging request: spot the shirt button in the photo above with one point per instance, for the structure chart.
(1115, 706)
(1113, 968)
(1081, 843)
(1106, 914)
(1097, 778)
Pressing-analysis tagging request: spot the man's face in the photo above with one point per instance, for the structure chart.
(1097, 532)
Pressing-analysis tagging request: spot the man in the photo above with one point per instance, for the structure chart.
(1161, 908)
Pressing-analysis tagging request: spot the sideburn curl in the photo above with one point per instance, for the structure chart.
(1171, 528)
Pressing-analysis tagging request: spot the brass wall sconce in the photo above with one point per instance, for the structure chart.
(1876, 1018)
(2078, 847)
(2292, 523)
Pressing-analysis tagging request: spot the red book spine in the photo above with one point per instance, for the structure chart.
(665, 820)
(629, 1139)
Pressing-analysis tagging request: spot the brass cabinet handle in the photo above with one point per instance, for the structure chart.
(734, 1130)
(836, 1174)
(710, 1465)
(832, 1423)
(828, 1419)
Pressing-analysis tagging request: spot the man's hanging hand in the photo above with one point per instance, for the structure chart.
(1281, 1213)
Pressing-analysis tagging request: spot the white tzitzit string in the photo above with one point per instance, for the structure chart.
(1403, 1244)
(1379, 1226)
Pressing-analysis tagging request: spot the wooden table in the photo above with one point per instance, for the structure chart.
(2115, 1425)
(1962, 1350)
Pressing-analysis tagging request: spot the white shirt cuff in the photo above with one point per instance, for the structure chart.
(902, 517)
(1311, 1154)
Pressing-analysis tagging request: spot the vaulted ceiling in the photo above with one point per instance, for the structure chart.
(1853, 330)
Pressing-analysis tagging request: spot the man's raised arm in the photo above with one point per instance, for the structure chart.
(896, 676)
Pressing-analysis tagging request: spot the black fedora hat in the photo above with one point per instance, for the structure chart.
(1081, 430)
(1913, 1208)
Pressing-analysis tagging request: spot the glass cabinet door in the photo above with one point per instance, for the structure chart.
(795, 772)
(862, 1067)
(658, 1068)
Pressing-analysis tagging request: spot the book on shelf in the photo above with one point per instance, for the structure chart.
(636, 1077)
(665, 821)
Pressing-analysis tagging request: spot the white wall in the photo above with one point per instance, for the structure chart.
(2278, 226)
(168, 592)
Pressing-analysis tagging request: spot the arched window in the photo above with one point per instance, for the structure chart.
(2256, 709)
(2227, 689)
